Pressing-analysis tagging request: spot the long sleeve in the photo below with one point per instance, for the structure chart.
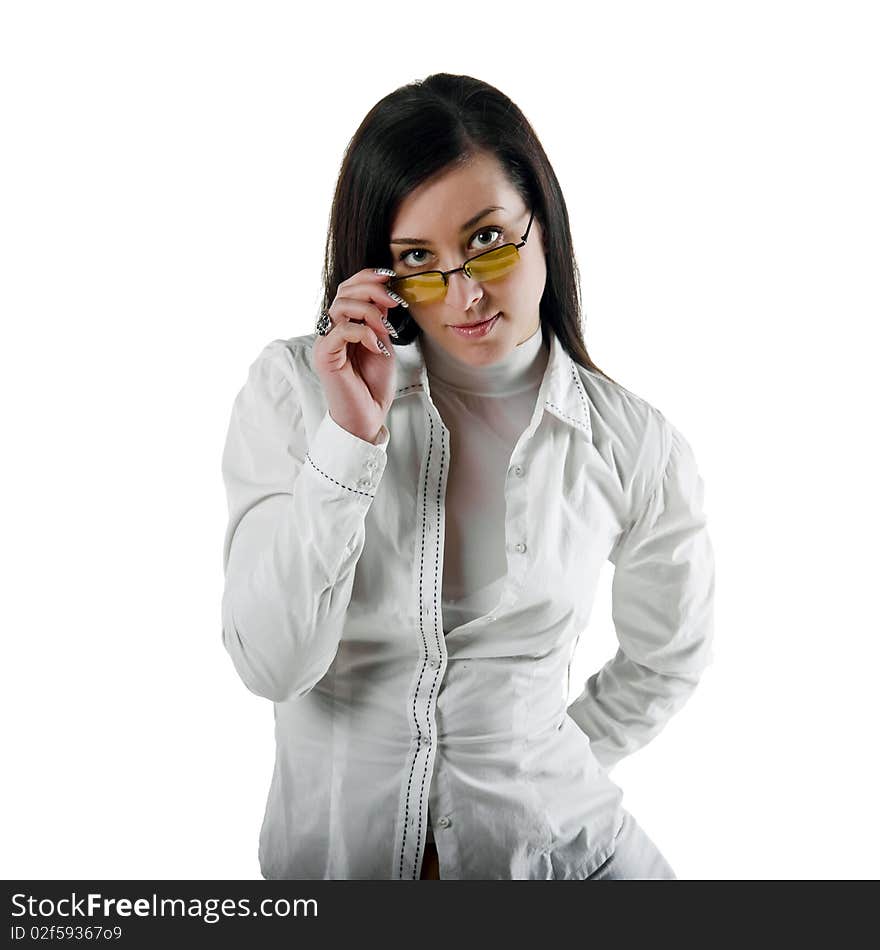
(295, 529)
(662, 608)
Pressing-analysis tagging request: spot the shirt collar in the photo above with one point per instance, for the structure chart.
(562, 389)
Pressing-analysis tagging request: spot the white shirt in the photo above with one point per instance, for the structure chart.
(485, 409)
(387, 704)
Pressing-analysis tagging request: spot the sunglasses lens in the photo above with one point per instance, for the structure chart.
(493, 264)
(423, 288)
(426, 288)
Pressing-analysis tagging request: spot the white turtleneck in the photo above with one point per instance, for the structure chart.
(485, 409)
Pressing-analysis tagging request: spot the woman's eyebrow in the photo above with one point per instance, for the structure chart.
(464, 227)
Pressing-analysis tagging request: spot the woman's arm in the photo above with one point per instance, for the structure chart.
(295, 531)
(662, 607)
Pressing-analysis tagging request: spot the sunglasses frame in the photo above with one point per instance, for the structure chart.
(464, 267)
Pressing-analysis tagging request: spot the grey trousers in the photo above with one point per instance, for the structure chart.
(635, 857)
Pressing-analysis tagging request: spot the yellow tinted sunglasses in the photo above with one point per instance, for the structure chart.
(430, 285)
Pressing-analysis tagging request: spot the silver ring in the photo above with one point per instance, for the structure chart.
(324, 324)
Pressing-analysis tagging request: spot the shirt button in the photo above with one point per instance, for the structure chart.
(444, 822)
(518, 470)
(434, 662)
(365, 483)
(521, 547)
(371, 464)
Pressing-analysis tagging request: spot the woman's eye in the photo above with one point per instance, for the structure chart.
(407, 256)
(497, 231)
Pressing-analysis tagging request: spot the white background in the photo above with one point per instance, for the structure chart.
(167, 172)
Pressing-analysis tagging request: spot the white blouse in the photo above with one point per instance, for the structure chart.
(485, 409)
(411, 606)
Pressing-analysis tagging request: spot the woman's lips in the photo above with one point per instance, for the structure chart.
(476, 329)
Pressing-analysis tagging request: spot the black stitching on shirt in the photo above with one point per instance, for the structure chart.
(437, 616)
(580, 388)
(330, 477)
(582, 424)
(425, 645)
(562, 412)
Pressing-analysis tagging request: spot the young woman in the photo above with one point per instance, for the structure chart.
(421, 496)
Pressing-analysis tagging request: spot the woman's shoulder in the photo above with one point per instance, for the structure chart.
(640, 439)
(287, 359)
(623, 414)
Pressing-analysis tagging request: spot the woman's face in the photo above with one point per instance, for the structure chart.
(434, 214)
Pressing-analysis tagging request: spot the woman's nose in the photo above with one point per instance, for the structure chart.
(462, 292)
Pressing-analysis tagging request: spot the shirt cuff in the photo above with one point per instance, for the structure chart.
(346, 459)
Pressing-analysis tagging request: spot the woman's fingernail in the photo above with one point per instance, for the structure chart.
(398, 298)
(382, 347)
(387, 324)
(385, 271)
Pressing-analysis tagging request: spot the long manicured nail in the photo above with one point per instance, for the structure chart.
(397, 297)
(382, 347)
(385, 271)
(387, 324)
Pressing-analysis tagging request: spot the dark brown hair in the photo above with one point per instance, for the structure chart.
(416, 133)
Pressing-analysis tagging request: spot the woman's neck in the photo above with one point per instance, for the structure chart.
(520, 369)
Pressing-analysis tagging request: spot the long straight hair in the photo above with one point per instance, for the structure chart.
(417, 132)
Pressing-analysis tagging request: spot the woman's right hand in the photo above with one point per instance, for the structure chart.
(357, 376)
